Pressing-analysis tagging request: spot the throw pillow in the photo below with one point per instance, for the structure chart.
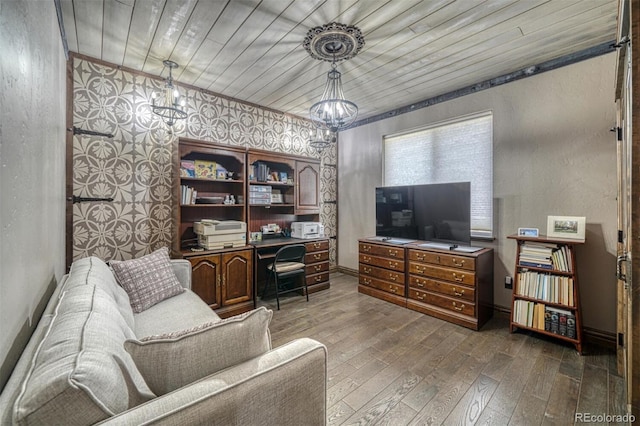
(168, 362)
(147, 280)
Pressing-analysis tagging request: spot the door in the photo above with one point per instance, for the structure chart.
(307, 187)
(205, 279)
(237, 277)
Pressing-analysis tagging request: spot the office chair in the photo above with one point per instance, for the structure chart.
(288, 264)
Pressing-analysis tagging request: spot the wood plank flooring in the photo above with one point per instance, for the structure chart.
(392, 366)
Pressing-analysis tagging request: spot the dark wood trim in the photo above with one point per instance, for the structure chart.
(497, 81)
(186, 86)
(635, 207)
(69, 168)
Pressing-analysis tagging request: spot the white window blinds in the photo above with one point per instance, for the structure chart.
(460, 150)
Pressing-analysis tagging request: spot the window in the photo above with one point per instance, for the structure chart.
(458, 150)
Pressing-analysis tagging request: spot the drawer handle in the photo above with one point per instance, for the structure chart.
(393, 277)
(456, 262)
(318, 268)
(438, 259)
(366, 248)
(458, 293)
(419, 257)
(420, 269)
(318, 279)
(458, 278)
(367, 281)
(420, 283)
(366, 258)
(393, 253)
(365, 269)
(393, 264)
(456, 307)
(317, 256)
(392, 289)
(316, 245)
(420, 296)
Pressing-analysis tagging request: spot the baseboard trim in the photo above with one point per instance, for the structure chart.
(590, 335)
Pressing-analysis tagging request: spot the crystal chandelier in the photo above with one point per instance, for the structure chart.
(170, 106)
(333, 42)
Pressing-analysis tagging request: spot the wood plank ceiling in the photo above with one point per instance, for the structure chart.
(414, 50)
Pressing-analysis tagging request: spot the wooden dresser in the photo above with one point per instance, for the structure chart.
(317, 261)
(450, 285)
(382, 272)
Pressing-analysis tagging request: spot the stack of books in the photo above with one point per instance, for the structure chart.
(545, 255)
(542, 317)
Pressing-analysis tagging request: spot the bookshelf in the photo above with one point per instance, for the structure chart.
(545, 293)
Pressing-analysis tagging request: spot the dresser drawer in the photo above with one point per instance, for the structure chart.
(317, 278)
(462, 306)
(316, 257)
(455, 291)
(448, 274)
(383, 274)
(317, 246)
(383, 251)
(396, 265)
(316, 268)
(461, 262)
(382, 285)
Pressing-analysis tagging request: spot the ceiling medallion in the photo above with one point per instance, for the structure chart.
(333, 42)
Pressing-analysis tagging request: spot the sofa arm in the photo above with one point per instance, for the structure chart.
(182, 269)
(285, 386)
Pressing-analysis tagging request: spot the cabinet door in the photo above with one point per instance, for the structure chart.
(237, 277)
(307, 187)
(205, 279)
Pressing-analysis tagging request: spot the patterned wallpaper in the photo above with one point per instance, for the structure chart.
(134, 168)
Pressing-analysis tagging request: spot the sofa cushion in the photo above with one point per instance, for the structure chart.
(80, 372)
(94, 272)
(173, 360)
(148, 280)
(169, 316)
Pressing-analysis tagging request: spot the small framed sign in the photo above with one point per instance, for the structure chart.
(566, 227)
(528, 232)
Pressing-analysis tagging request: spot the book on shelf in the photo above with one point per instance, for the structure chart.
(188, 195)
(545, 255)
(560, 322)
(187, 168)
(545, 286)
(205, 169)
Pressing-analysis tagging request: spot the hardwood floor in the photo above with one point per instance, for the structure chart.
(392, 366)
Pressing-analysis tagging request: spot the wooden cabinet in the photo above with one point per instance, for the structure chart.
(295, 183)
(317, 261)
(545, 292)
(456, 287)
(382, 271)
(224, 280)
(307, 187)
(211, 191)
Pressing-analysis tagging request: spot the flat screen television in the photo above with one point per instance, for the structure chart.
(438, 212)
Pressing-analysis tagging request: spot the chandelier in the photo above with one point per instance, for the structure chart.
(170, 107)
(321, 139)
(333, 42)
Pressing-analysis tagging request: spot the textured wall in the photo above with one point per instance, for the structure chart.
(32, 156)
(553, 155)
(135, 166)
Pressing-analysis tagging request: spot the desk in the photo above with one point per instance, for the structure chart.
(316, 259)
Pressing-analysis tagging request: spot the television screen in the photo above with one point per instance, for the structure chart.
(438, 212)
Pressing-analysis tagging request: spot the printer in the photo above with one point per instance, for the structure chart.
(306, 230)
(218, 234)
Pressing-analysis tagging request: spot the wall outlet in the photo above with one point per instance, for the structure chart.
(508, 282)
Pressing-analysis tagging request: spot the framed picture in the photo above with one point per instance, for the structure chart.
(528, 232)
(566, 227)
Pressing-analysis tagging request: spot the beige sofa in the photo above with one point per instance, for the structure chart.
(91, 360)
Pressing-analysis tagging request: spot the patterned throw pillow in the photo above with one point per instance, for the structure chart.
(147, 280)
(170, 361)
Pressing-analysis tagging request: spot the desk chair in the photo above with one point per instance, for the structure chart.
(288, 263)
